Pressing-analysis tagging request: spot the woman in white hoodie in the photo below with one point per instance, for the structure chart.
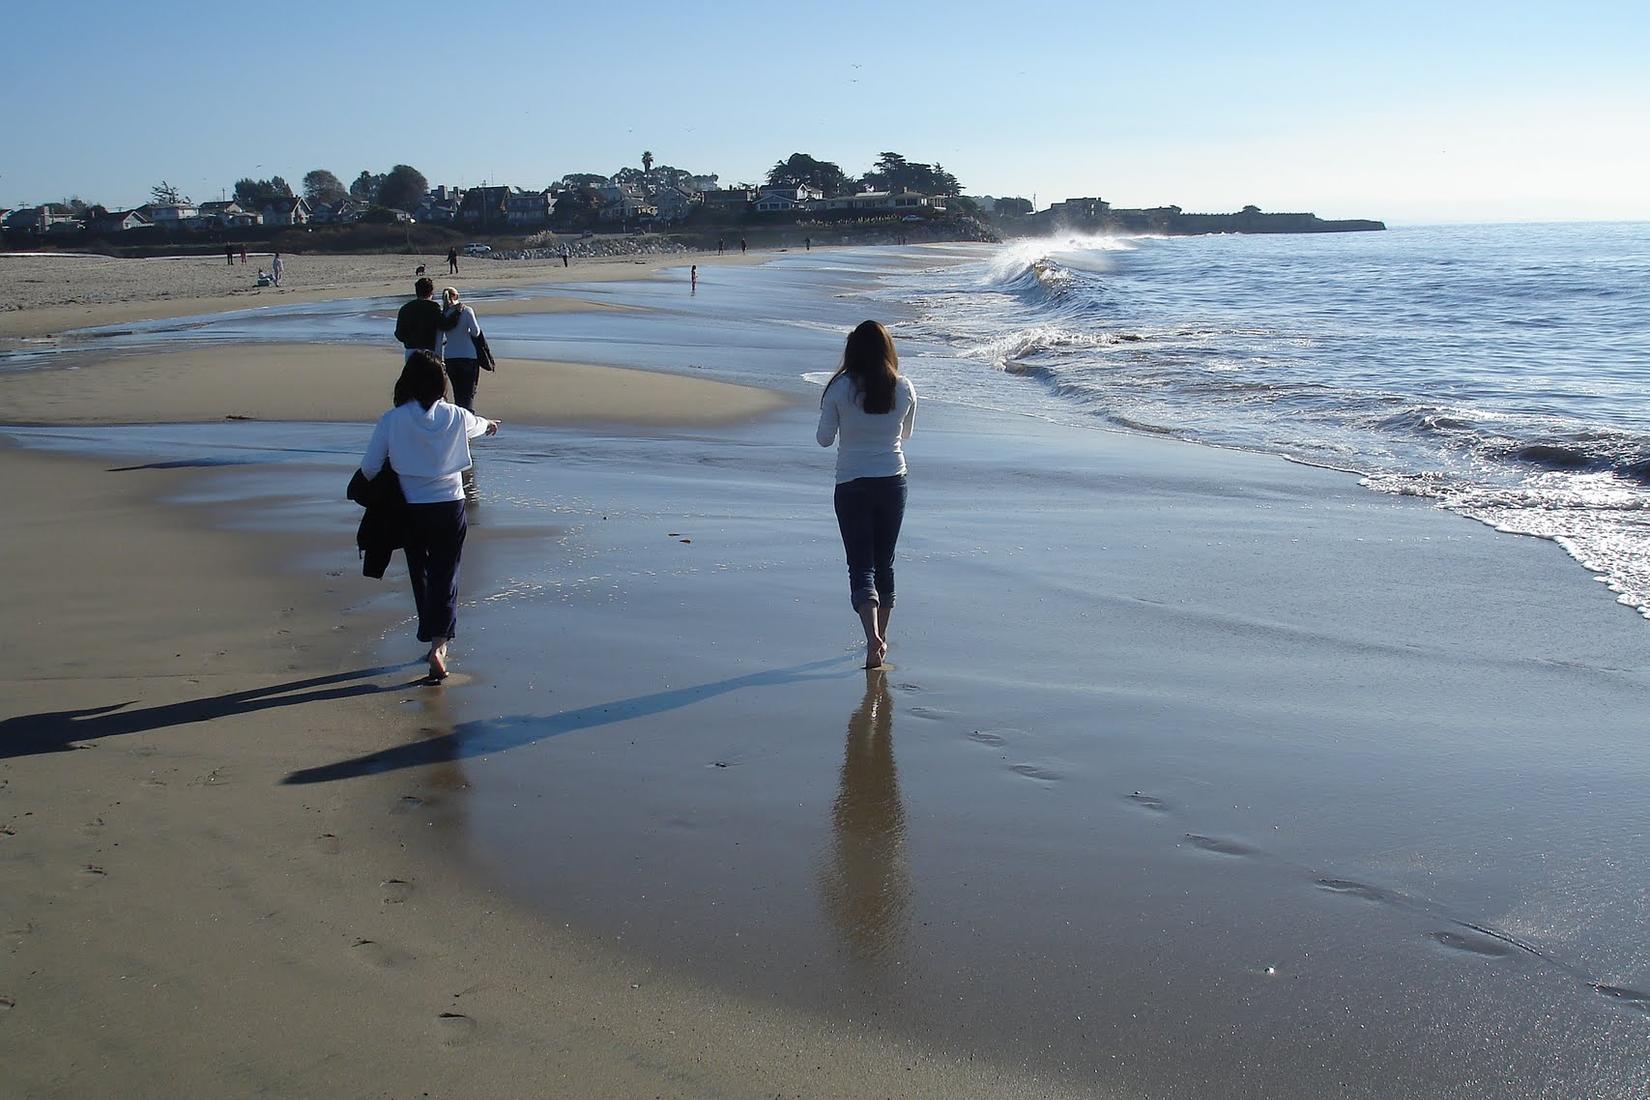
(426, 441)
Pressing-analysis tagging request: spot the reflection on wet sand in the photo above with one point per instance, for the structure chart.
(865, 884)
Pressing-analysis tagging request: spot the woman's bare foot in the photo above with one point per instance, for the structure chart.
(875, 652)
(438, 661)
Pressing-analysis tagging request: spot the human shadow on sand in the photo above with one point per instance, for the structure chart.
(492, 735)
(58, 731)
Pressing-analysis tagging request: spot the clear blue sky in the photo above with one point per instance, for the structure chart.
(1411, 112)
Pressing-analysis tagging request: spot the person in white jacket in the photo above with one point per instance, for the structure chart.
(873, 409)
(458, 348)
(426, 441)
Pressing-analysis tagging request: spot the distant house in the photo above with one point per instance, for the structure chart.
(774, 200)
(120, 221)
(484, 208)
(528, 209)
(220, 212)
(1076, 210)
(900, 202)
(172, 215)
(342, 212)
(294, 210)
(676, 203)
(44, 218)
(441, 205)
(730, 199)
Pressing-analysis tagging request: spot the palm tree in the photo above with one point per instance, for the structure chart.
(647, 161)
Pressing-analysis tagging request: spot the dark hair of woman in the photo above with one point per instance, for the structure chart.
(423, 380)
(870, 361)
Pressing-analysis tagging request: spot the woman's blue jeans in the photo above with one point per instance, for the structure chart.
(869, 511)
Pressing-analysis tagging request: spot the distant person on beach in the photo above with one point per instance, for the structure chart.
(426, 441)
(564, 256)
(452, 261)
(421, 322)
(694, 276)
(458, 349)
(229, 254)
(873, 409)
(741, 246)
(807, 244)
(721, 246)
(243, 255)
(277, 269)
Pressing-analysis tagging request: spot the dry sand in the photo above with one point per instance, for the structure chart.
(47, 294)
(175, 922)
(322, 382)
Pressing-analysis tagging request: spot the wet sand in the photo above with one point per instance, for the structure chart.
(178, 921)
(351, 383)
(1196, 773)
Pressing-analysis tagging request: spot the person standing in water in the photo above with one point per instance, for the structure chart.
(426, 441)
(693, 277)
(872, 409)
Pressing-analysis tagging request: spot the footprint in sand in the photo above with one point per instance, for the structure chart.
(454, 1029)
(1149, 802)
(1355, 889)
(1627, 998)
(406, 804)
(1219, 845)
(1037, 772)
(327, 844)
(1486, 946)
(396, 890)
(7, 1004)
(933, 714)
(986, 737)
(380, 955)
(92, 872)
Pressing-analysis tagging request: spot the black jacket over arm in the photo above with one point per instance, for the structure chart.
(383, 528)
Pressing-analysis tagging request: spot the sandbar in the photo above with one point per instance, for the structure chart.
(332, 382)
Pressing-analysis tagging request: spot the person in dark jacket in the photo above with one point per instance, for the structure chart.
(420, 323)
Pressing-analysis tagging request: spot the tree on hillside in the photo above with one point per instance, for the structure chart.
(365, 188)
(1007, 208)
(647, 160)
(800, 169)
(403, 188)
(321, 186)
(577, 208)
(582, 179)
(165, 194)
(252, 193)
(893, 172)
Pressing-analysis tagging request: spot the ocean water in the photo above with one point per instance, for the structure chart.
(1499, 370)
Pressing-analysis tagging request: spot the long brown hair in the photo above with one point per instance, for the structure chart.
(423, 379)
(871, 363)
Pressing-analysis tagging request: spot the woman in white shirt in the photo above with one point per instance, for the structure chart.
(458, 349)
(426, 441)
(873, 409)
